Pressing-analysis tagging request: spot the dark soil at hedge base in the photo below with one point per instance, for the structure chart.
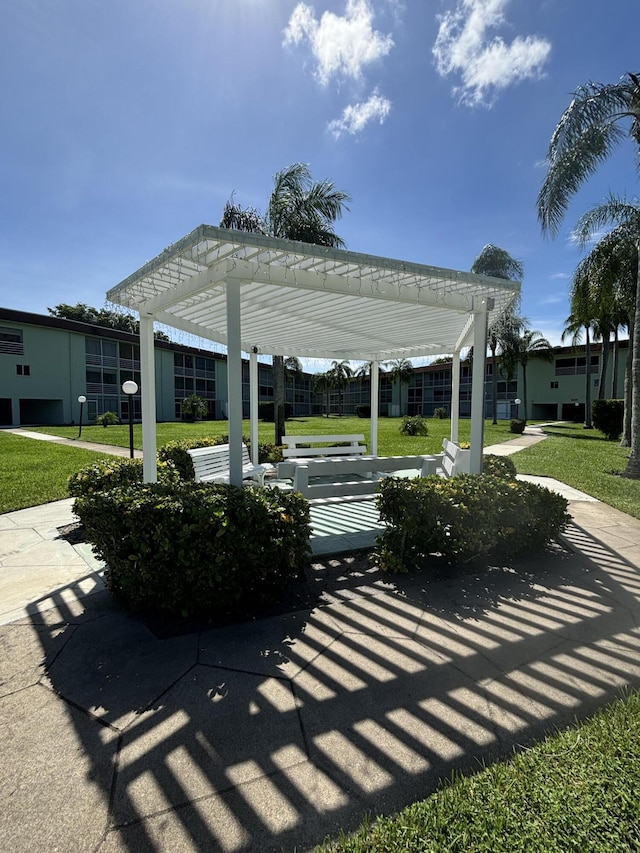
(341, 577)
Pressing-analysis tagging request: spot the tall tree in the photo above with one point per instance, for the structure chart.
(498, 263)
(613, 268)
(597, 120)
(364, 372)
(83, 313)
(581, 319)
(299, 208)
(530, 343)
(323, 384)
(400, 371)
(341, 372)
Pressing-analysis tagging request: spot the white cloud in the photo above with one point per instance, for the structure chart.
(341, 46)
(356, 117)
(485, 65)
(560, 275)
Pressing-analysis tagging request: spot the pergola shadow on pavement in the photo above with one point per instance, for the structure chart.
(271, 735)
(262, 295)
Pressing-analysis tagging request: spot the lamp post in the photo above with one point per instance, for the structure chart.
(82, 400)
(517, 401)
(130, 388)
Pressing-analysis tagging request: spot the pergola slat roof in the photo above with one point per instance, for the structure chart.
(311, 301)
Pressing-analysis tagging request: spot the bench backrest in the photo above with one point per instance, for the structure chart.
(455, 460)
(211, 462)
(352, 445)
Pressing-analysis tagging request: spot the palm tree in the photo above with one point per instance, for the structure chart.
(323, 384)
(614, 263)
(364, 372)
(498, 263)
(298, 209)
(582, 316)
(589, 130)
(400, 371)
(523, 347)
(341, 372)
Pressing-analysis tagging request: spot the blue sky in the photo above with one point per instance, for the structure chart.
(126, 124)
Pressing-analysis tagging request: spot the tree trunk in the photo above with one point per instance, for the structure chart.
(633, 466)
(278, 397)
(587, 386)
(626, 432)
(602, 385)
(616, 362)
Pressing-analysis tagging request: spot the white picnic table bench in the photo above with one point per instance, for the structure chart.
(345, 476)
(297, 449)
(211, 465)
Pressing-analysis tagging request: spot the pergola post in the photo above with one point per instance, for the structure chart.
(455, 397)
(234, 380)
(375, 382)
(148, 394)
(477, 387)
(253, 404)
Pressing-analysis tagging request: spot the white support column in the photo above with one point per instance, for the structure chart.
(234, 381)
(253, 403)
(148, 394)
(375, 383)
(477, 388)
(455, 397)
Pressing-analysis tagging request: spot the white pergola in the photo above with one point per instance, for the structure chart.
(262, 295)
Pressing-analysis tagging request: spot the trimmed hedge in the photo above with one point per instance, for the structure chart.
(176, 452)
(517, 425)
(363, 411)
(111, 473)
(188, 549)
(463, 518)
(608, 417)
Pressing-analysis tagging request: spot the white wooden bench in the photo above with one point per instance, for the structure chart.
(211, 465)
(297, 450)
(453, 460)
(353, 475)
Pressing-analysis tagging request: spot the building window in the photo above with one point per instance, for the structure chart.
(554, 384)
(11, 341)
(23, 370)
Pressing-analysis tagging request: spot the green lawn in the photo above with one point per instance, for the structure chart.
(36, 472)
(585, 460)
(575, 791)
(390, 442)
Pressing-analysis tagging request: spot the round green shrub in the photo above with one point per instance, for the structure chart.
(414, 425)
(608, 417)
(517, 425)
(189, 549)
(499, 466)
(107, 419)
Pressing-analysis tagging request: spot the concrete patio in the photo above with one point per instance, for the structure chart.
(271, 735)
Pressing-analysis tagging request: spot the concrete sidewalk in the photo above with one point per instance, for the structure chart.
(269, 735)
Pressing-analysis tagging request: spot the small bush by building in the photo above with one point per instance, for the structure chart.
(363, 411)
(440, 412)
(608, 417)
(414, 425)
(107, 419)
(517, 425)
